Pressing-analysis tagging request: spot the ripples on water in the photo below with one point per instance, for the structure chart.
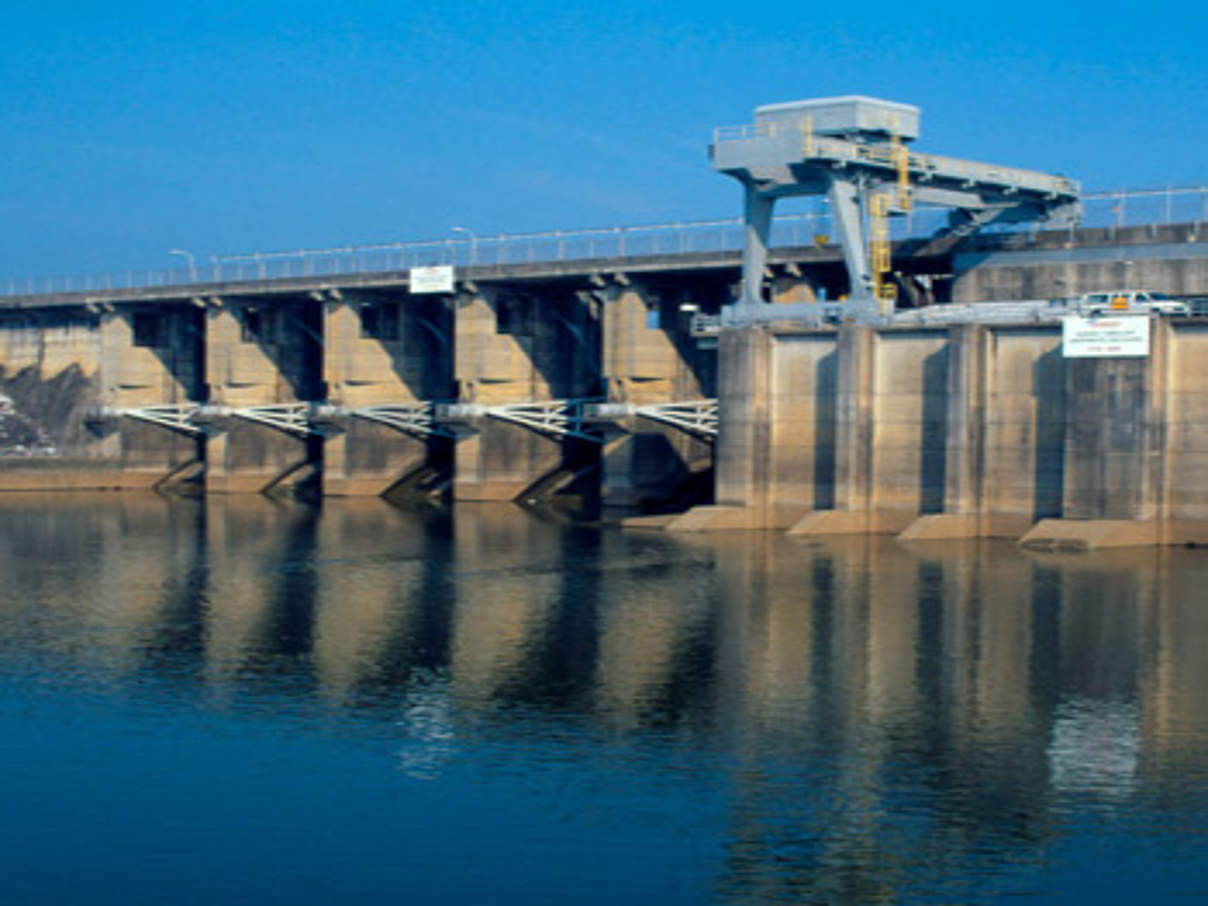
(240, 701)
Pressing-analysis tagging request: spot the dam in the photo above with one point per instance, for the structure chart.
(776, 377)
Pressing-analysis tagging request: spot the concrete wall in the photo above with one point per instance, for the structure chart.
(58, 366)
(49, 365)
(962, 431)
(1170, 258)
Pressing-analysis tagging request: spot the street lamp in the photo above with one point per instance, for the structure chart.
(473, 241)
(192, 262)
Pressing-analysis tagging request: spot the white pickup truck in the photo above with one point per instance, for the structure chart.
(1135, 301)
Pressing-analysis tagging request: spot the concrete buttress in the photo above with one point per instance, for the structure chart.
(650, 358)
(261, 355)
(151, 357)
(513, 349)
(383, 351)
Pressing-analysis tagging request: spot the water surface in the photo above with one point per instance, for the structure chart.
(238, 701)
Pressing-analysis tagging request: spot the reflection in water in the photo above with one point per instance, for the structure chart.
(383, 600)
(849, 721)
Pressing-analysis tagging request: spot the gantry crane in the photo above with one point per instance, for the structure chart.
(854, 151)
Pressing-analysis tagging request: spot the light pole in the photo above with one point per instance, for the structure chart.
(192, 262)
(473, 242)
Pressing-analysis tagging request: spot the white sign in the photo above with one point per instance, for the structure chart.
(431, 279)
(1105, 336)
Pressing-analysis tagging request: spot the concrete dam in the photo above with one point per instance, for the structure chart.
(812, 386)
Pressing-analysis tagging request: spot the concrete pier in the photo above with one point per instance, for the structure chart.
(650, 358)
(383, 351)
(257, 356)
(516, 348)
(150, 356)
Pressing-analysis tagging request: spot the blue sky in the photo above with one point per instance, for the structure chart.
(130, 129)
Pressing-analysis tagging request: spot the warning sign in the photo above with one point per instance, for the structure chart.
(431, 279)
(1106, 336)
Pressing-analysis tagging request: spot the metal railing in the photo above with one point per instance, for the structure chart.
(744, 132)
(1126, 207)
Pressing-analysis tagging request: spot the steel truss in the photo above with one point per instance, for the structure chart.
(697, 417)
(693, 416)
(292, 418)
(417, 418)
(179, 417)
(558, 418)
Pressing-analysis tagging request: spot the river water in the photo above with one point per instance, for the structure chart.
(241, 701)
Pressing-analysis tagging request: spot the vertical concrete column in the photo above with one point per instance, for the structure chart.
(1162, 413)
(1115, 450)
(742, 452)
(499, 342)
(854, 423)
(964, 475)
(965, 512)
(744, 407)
(379, 351)
(150, 356)
(776, 452)
(1186, 481)
(650, 358)
(259, 354)
(855, 489)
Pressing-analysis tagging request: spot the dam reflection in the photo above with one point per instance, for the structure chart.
(873, 710)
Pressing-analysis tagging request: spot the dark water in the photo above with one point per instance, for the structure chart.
(243, 702)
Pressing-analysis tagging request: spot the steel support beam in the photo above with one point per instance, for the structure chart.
(179, 417)
(697, 417)
(418, 418)
(292, 418)
(557, 418)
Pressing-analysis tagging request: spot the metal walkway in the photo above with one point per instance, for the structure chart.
(1125, 207)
